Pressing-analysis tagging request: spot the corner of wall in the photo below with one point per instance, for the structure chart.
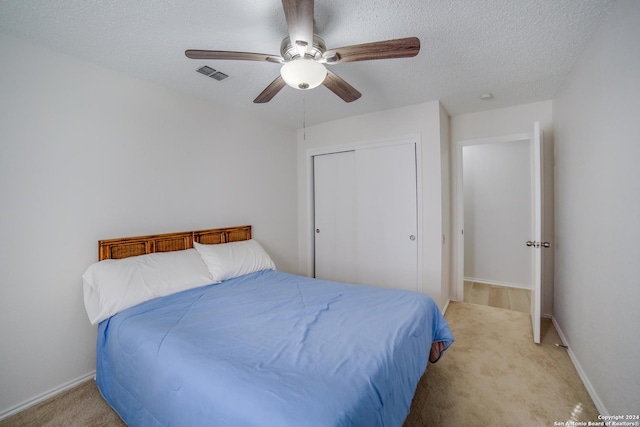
(445, 161)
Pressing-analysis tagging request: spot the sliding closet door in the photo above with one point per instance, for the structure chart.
(387, 216)
(366, 216)
(335, 216)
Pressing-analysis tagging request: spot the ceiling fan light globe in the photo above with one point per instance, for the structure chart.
(303, 73)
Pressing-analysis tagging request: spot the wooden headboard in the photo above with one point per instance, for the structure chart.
(140, 245)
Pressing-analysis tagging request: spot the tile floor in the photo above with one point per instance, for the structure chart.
(497, 296)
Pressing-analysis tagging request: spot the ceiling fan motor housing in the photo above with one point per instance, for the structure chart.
(289, 51)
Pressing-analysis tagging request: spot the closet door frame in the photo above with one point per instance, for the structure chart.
(330, 149)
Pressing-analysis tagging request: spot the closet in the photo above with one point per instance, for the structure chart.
(366, 216)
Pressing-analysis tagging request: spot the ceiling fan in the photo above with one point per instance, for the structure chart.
(304, 55)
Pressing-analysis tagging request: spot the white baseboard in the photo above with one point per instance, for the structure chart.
(583, 375)
(446, 305)
(46, 395)
(497, 282)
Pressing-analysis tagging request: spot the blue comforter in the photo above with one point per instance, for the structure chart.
(269, 349)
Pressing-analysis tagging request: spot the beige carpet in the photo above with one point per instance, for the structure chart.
(82, 406)
(492, 376)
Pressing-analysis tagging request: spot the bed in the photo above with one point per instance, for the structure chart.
(256, 346)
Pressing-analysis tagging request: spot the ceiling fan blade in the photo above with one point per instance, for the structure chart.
(270, 91)
(398, 48)
(341, 88)
(223, 54)
(299, 16)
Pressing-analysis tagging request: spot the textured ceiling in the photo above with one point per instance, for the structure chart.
(519, 50)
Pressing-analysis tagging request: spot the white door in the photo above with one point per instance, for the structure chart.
(366, 216)
(387, 216)
(335, 216)
(536, 244)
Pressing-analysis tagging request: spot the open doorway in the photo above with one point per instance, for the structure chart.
(497, 222)
(541, 180)
(496, 214)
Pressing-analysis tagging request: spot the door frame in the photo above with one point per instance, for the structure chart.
(458, 204)
(331, 149)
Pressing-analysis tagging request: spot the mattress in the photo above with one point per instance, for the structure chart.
(269, 349)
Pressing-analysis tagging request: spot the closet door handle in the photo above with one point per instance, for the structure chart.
(412, 237)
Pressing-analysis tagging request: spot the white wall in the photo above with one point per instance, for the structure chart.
(89, 154)
(424, 120)
(501, 122)
(497, 213)
(597, 274)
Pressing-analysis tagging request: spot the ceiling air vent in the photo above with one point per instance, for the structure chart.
(210, 72)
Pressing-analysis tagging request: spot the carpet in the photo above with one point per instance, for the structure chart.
(494, 375)
(81, 406)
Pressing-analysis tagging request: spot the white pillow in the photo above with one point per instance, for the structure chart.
(113, 285)
(229, 260)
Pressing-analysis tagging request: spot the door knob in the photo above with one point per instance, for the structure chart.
(412, 237)
(538, 244)
(317, 231)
